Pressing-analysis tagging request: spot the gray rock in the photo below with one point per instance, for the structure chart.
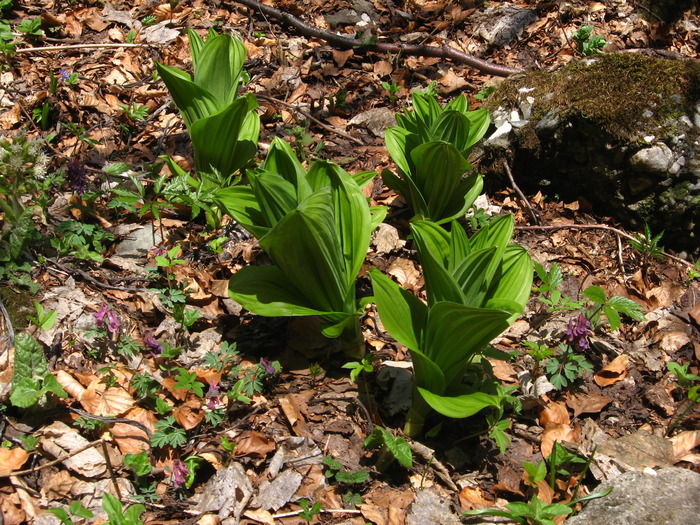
(504, 23)
(632, 149)
(138, 242)
(376, 120)
(670, 496)
(430, 509)
(656, 159)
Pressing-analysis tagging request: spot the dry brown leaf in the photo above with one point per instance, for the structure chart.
(10, 506)
(375, 514)
(383, 68)
(405, 272)
(189, 414)
(555, 413)
(504, 371)
(544, 491)
(685, 442)
(251, 443)
(614, 372)
(586, 403)
(471, 498)
(178, 393)
(58, 485)
(695, 313)
(71, 385)
(102, 401)
(60, 440)
(131, 439)
(260, 515)
(640, 450)
(12, 459)
(291, 411)
(557, 432)
(341, 57)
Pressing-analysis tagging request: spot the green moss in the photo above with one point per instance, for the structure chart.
(19, 307)
(613, 91)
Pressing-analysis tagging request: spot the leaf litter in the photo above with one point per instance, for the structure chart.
(267, 455)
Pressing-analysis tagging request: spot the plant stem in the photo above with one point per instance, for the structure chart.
(416, 414)
(353, 341)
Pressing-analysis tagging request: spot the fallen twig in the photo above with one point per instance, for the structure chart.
(599, 227)
(347, 42)
(533, 213)
(79, 47)
(310, 117)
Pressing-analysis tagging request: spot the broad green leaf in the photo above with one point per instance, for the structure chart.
(275, 196)
(241, 203)
(196, 45)
(219, 67)
(282, 160)
(353, 220)
(459, 245)
(438, 172)
(264, 290)
(496, 233)
(480, 123)
(398, 448)
(595, 294)
(513, 279)
(305, 246)
(193, 101)
(29, 362)
(25, 392)
(613, 317)
(402, 313)
(363, 178)
(455, 333)
(470, 276)
(52, 385)
(459, 103)
(462, 406)
(400, 143)
(428, 374)
(217, 139)
(628, 307)
(433, 245)
(453, 127)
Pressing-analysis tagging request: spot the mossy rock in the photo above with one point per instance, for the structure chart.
(620, 131)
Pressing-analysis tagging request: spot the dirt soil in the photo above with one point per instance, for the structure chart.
(269, 451)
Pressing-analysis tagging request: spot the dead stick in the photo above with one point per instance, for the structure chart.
(53, 462)
(79, 47)
(310, 117)
(346, 42)
(598, 227)
(535, 216)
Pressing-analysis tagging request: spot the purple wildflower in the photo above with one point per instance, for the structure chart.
(63, 75)
(267, 366)
(75, 176)
(150, 342)
(180, 472)
(213, 396)
(577, 334)
(109, 317)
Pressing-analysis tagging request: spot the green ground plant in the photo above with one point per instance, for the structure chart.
(430, 146)
(588, 43)
(316, 226)
(223, 126)
(476, 288)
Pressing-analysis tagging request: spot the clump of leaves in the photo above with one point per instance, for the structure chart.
(390, 448)
(32, 382)
(22, 174)
(588, 43)
(648, 245)
(476, 288)
(430, 146)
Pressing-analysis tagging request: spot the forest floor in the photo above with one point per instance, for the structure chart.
(82, 82)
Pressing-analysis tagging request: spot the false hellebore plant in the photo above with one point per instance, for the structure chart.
(430, 146)
(224, 127)
(316, 228)
(476, 287)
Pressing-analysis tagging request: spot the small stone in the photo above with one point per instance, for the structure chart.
(656, 159)
(430, 509)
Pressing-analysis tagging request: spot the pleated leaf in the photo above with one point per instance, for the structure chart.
(402, 313)
(462, 406)
(219, 66)
(454, 333)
